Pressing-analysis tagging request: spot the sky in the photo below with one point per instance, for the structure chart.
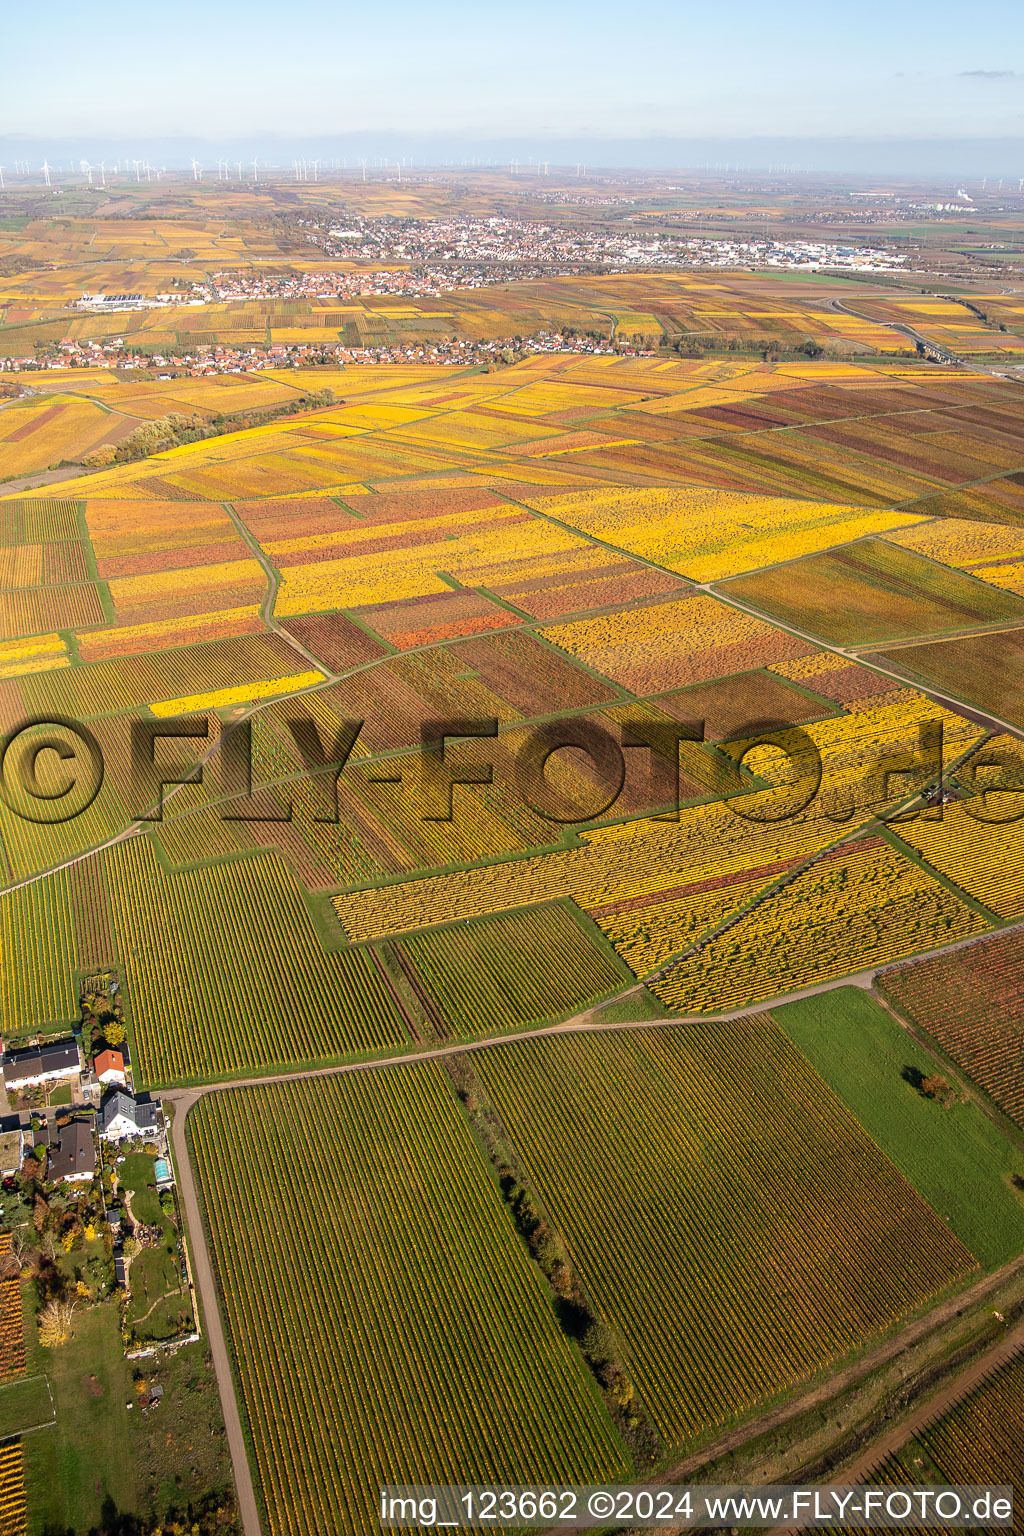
(531, 69)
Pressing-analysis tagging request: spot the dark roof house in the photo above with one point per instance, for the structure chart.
(75, 1154)
(41, 1063)
(121, 1116)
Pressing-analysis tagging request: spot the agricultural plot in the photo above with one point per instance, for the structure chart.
(163, 676)
(225, 972)
(415, 621)
(953, 1154)
(972, 1003)
(507, 972)
(979, 547)
(12, 1325)
(728, 1218)
(512, 545)
(846, 683)
(13, 1507)
(708, 534)
(984, 670)
(409, 1256)
(672, 643)
(38, 435)
(855, 908)
(976, 1442)
(873, 591)
(731, 706)
(37, 957)
(977, 848)
(754, 834)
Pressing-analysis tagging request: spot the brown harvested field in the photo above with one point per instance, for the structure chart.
(146, 563)
(335, 640)
(434, 617)
(985, 670)
(871, 590)
(731, 706)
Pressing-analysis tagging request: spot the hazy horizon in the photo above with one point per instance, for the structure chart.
(931, 158)
(588, 74)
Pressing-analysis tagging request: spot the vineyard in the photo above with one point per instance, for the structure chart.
(709, 534)
(858, 907)
(226, 974)
(505, 972)
(976, 1442)
(13, 1508)
(713, 1193)
(977, 850)
(12, 1326)
(37, 956)
(972, 1003)
(107, 686)
(408, 1257)
(872, 591)
(674, 643)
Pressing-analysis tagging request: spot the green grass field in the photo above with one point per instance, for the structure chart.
(100, 1460)
(957, 1158)
(86, 1459)
(24, 1404)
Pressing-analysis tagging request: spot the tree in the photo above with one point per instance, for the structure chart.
(598, 1345)
(14, 1257)
(55, 1323)
(115, 1032)
(938, 1088)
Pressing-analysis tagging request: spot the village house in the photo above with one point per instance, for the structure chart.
(73, 1161)
(121, 1116)
(41, 1064)
(108, 1065)
(14, 1142)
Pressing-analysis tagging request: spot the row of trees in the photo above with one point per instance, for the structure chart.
(596, 1341)
(175, 430)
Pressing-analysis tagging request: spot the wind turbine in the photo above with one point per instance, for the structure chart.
(1, 178)
(136, 164)
(255, 169)
(103, 173)
(46, 172)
